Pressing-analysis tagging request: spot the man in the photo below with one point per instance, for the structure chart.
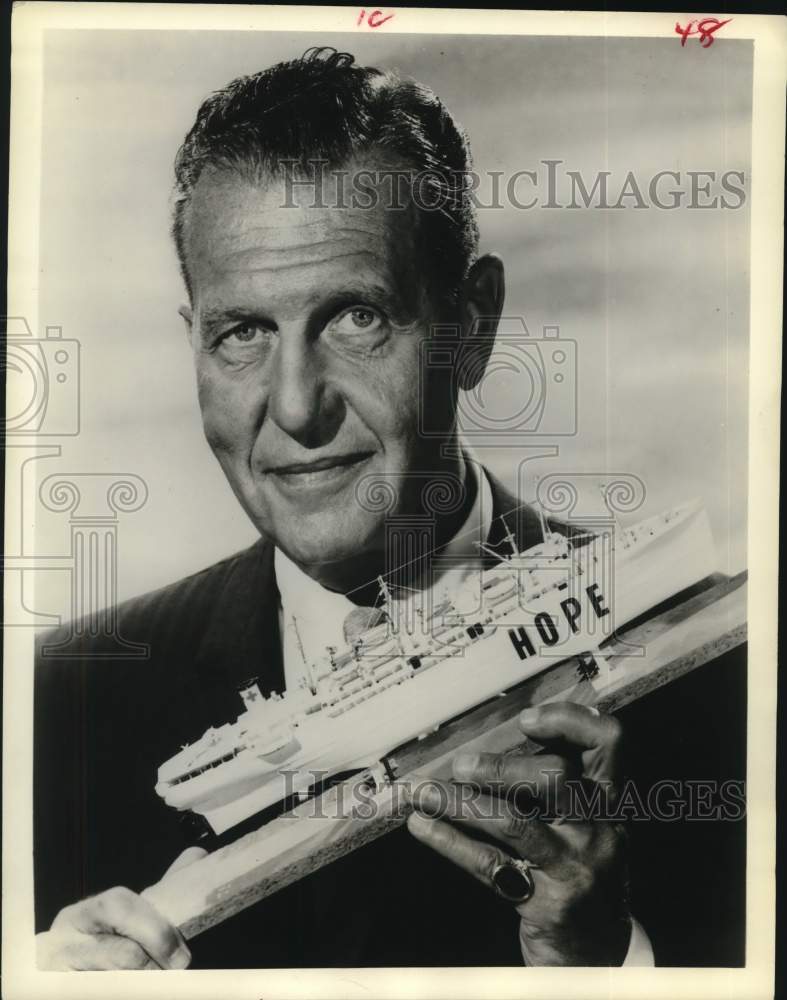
(307, 311)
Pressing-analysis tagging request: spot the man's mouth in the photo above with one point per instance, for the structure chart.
(321, 471)
(320, 464)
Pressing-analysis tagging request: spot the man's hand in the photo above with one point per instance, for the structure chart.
(117, 929)
(578, 912)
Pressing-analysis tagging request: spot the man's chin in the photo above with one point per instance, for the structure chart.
(315, 543)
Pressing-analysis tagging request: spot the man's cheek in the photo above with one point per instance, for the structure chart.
(206, 394)
(396, 400)
(227, 413)
(214, 435)
(222, 428)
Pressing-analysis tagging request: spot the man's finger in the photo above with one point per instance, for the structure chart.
(579, 725)
(495, 818)
(85, 953)
(478, 859)
(109, 951)
(595, 734)
(541, 777)
(123, 912)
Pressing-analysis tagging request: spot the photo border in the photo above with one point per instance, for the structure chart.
(756, 979)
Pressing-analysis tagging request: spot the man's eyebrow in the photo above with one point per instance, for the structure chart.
(362, 290)
(212, 317)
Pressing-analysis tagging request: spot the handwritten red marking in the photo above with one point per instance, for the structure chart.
(705, 28)
(375, 19)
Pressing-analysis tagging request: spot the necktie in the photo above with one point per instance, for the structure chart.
(359, 620)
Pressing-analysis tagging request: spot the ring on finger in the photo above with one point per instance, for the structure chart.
(513, 881)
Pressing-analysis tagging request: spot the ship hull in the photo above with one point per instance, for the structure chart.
(484, 652)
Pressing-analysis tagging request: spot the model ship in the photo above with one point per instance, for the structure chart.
(395, 682)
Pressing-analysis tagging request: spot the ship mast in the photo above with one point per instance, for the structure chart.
(309, 678)
(542, 520)
(618, 527)
(509, 537)
(385, 593)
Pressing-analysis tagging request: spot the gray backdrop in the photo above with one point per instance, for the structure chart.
(657, 301)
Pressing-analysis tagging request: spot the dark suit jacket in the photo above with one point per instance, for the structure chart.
(104, 723)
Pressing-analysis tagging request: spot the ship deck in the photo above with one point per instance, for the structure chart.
(691, 629)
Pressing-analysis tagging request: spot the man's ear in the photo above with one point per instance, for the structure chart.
(188, 318)
(481, 303)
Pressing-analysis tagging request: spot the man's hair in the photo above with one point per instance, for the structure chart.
(323, 107)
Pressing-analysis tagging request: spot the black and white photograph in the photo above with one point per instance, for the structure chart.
(391, 464)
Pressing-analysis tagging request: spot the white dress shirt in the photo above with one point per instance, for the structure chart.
(312, 617)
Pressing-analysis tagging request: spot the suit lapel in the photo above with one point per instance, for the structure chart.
(520, 518)
(242, 637)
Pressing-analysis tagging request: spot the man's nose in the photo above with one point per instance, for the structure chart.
(302, 401)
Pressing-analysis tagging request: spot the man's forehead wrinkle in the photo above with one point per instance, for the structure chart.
(284, 239)
(241, 232)
(279, 222)
(250, 209)
(282, 261)
(245, 290)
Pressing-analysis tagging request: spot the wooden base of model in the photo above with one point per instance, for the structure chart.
(691, 631)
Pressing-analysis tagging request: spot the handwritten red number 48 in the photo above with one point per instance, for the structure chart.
(704, 28)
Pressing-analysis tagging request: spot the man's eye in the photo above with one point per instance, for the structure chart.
(246, 333)
(357, 320)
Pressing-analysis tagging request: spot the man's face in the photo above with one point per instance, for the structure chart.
(306, 324)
